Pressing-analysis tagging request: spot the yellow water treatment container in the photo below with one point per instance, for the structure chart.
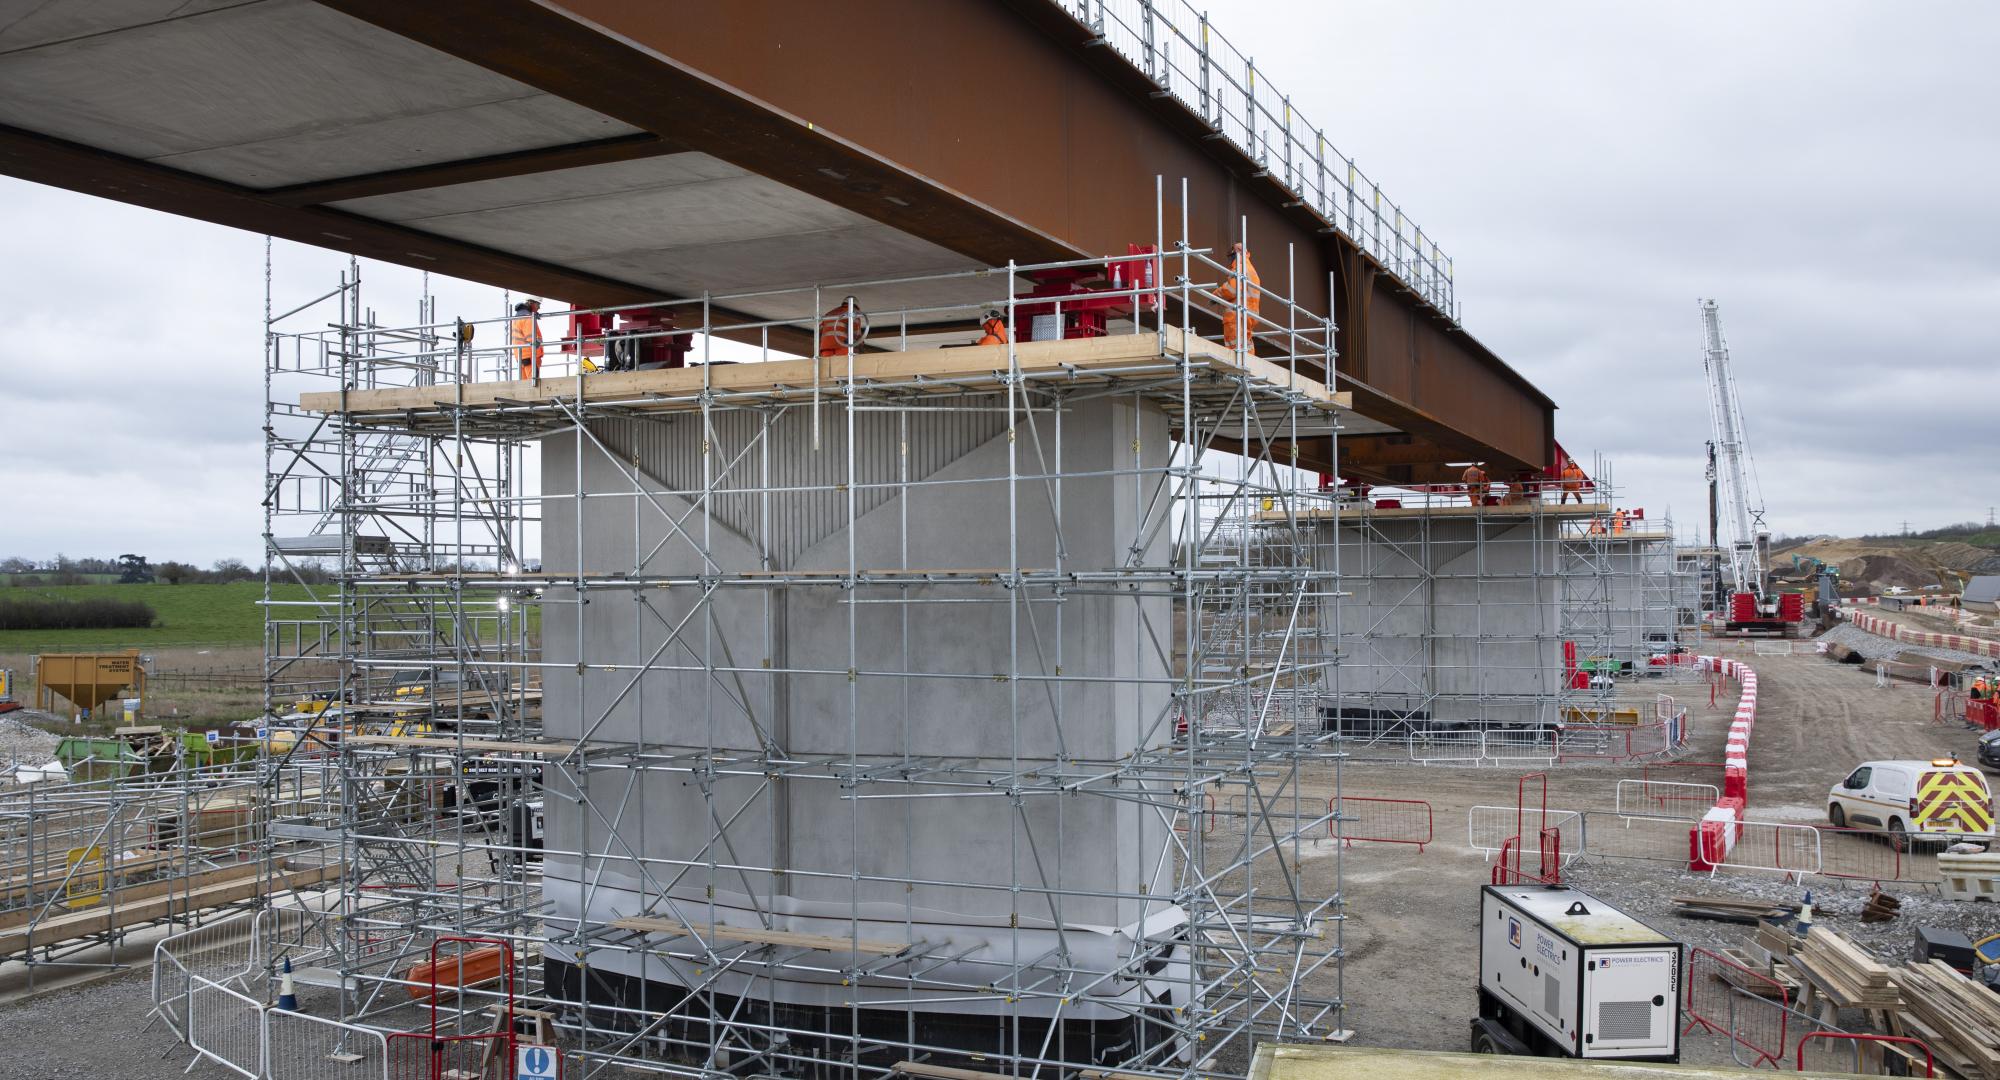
(87, 680)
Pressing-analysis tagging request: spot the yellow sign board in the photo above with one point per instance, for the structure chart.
(86, 877)
(1953, 802)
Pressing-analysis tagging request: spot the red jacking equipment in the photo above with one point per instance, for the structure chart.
(1060, 306)
(644, 339)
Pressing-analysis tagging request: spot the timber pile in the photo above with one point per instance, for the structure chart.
(1881, 907)
(1958, 1018)
(1731, 910)
(1764, 988)
(1851, 977)
(1777, 941)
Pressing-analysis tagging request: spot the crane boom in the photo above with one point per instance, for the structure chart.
(1746, 572)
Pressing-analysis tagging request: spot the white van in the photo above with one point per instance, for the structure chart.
(1938, 801)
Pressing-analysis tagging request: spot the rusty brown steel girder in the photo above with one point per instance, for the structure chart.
(994, 128)
(1399, 460)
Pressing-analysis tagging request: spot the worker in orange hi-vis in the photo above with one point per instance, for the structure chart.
(841, 326)
(1239, 322)
(525, 335)
(1618, 522)
(1477, 486)
(993, 331)
(1572, 481)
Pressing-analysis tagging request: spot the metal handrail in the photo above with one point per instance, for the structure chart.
(1177, 47)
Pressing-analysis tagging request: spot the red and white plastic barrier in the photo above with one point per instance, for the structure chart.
(1895, 631)
(1710, 841)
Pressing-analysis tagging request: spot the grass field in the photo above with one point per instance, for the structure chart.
(220, 615)
(188, 614)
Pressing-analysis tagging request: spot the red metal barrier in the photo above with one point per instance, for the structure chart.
(1552, 857)
(414, 1055)
(1709, 977)
(1930, 1063)
(1549, 841)
(1404, 821)
(1508, 871)
(434, 1055)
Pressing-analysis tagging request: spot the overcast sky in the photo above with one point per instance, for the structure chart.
(1826, 171)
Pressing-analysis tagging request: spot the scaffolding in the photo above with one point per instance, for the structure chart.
(825, 716)
(166, 842)
(1491, 630)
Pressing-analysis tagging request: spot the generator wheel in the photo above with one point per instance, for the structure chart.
(1484, 1043)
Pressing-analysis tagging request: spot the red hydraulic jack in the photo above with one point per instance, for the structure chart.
(1063, 306)
(645, 339)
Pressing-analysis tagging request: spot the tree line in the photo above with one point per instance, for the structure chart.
(37, 613)
(136, 569)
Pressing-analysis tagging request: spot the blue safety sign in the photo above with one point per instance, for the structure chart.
(533, 1062)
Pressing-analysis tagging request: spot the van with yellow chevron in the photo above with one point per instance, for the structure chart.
(1936, 802)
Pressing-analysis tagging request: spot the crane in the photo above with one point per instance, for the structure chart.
(1731, 508)
(1726, 420)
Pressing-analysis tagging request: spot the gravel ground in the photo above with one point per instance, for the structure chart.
(1645, 892)
(25, 744)
(93, 1032)
(1876, 647)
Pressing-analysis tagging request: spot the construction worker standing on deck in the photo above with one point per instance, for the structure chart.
(1572, 481)
(525, 334)
(1239, 321)
(1476, 484)
(1618, 522)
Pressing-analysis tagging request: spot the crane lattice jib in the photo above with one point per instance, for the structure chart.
(1726, 421)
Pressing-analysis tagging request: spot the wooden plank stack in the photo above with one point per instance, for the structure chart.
(1958, 1018)
(1775, 940)
(1773, 974)
(1851, 977)
(1731, 910)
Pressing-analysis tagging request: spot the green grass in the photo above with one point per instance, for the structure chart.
(188, 615)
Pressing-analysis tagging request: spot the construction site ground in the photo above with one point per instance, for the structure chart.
(1412, 962)
(1411, 959)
